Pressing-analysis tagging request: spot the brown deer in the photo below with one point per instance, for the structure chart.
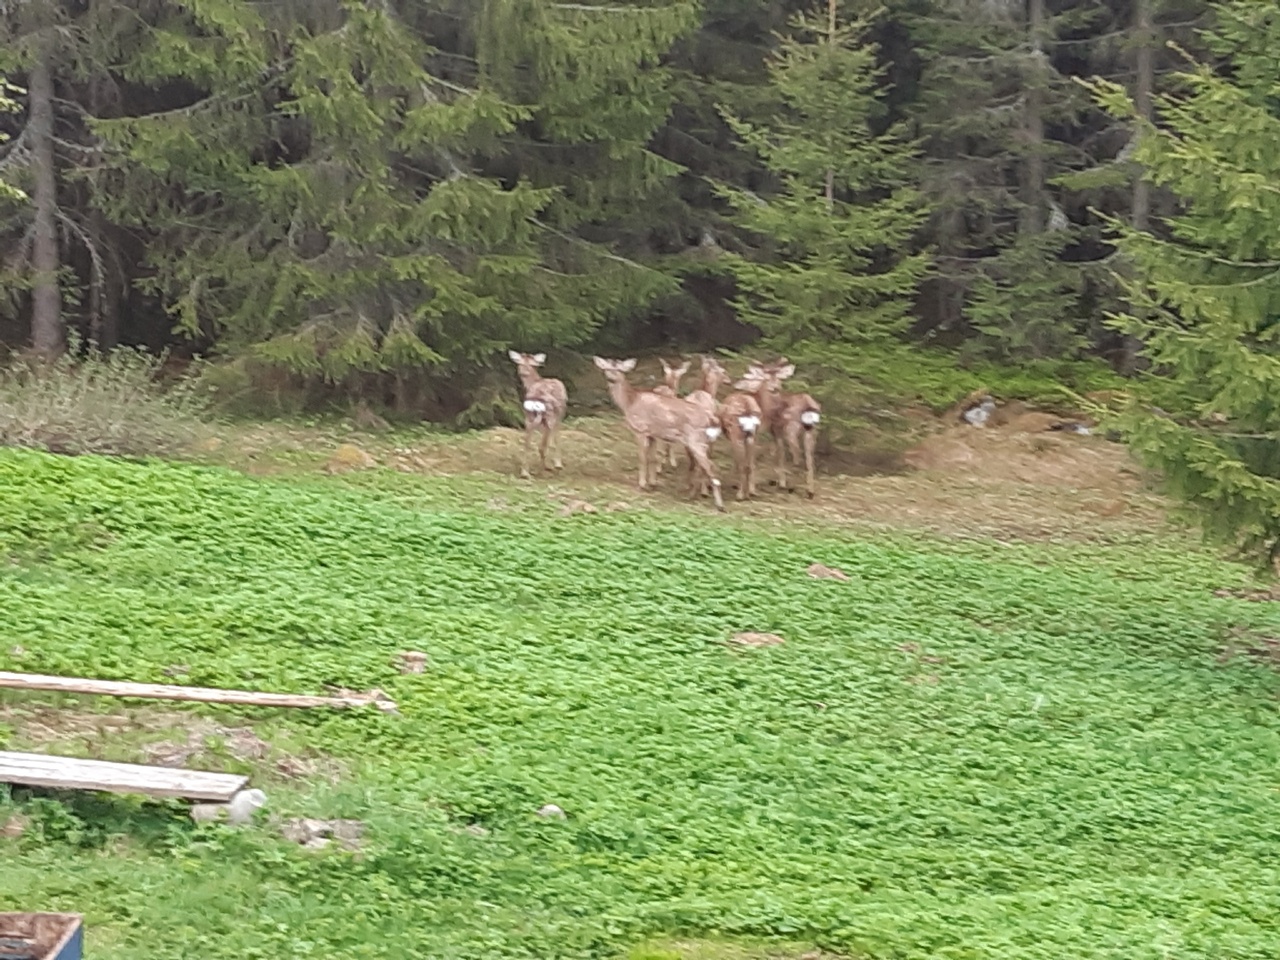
(740, 419)
(545, 402)
(669, 388)
(652, 416)
(790, 417)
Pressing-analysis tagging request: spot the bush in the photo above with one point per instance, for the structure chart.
(110, 403)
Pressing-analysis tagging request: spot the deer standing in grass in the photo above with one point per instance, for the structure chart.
(740, 419)
(652, 416)
(669, 388)
(790, 417)
(545, 403)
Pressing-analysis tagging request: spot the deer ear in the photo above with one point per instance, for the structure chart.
(515, 357)
(666, 367)
(626, 366)
(683, 368)
(601, 362)
(783, 372)
(539, 359)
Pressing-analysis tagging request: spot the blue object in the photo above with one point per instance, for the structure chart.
(41, 936)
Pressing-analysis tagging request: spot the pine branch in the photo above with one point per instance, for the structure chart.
(97, 267)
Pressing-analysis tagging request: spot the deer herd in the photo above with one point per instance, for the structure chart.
(662, 420)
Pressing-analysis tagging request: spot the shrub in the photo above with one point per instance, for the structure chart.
(113, 403)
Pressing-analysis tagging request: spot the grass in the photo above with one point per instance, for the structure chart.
(970, 750)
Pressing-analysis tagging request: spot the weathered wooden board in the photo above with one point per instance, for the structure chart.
(68, 773)
(164, 691)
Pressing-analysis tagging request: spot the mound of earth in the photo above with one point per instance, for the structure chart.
(1023, 452)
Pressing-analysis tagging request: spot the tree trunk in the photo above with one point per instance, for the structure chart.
(1144, 83)
(1032, 218)
(830, 192)
(47, 335)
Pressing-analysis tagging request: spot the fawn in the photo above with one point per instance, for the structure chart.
(669, 388)
(790, 417)
(653, 416)
(740, 418)
(545, 402)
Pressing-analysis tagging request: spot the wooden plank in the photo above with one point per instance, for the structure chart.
(69, 773)
(164, 691)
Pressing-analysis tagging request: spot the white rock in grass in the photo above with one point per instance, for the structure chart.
(551, 810)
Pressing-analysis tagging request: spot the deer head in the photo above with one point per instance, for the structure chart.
(615, 371)
(672, 374)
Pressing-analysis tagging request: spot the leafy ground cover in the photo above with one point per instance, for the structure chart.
(967, 749)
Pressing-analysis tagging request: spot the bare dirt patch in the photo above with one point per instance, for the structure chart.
(1015, 481)
(159, 738)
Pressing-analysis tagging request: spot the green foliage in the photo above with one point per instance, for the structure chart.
(8, 191)
(373, 215)
(835, 273)
(884, 377)
(944, 759)
(1204, 298)
(109, 403)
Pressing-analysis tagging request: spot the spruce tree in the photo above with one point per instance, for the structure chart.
(336, 202)
(834, 270)
(1204, 286)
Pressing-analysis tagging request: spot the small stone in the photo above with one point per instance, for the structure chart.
(412, 661)
(14, 827)
(820, 571)
(346, 829)
(349, 457)
(317, 843)
(551, 810)
(244, 805)
(750, 639)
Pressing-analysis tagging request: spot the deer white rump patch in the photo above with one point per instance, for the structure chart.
(535, 406)
(749, 423)
(713, 433)
(809, 417)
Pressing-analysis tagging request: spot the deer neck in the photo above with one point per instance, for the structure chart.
(711, 382)
(770, 401)
(623, 393)
(528, 377)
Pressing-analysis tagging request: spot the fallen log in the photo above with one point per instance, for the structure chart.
(164, 691)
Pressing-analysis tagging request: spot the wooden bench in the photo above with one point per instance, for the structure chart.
(67, 773)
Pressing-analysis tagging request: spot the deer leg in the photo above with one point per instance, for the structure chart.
(691, 476)
(780, 461)
(750, 445)
(809, 483)
(793, 444)
(555, 442)
(524, 458)
(542, 445)
(709, 470)
(644, 443)
(738, 446)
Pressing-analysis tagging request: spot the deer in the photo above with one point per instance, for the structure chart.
(790, 417)
(545, 403)
(740, 418)
(652, 416)
(669, 388)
